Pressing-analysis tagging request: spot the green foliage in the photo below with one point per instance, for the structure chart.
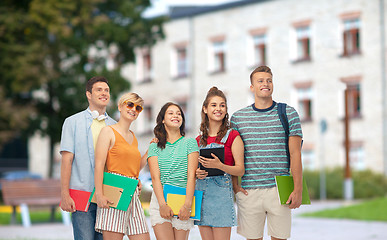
(20, 57)
(45, 57)
(367, 184)
(372, 210)
(312, 181)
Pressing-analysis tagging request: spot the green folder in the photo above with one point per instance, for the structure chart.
(285, 187)
(127, 184)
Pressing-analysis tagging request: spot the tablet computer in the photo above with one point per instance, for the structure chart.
(206, 152)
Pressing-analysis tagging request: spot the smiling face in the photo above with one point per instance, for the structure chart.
(262, 85)
(128, 112)
(99, 96)
(173, 117)
(130, 105)
(216, 109)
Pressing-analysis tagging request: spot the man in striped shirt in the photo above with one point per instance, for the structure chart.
(265, 157)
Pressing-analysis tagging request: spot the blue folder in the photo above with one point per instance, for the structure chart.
(198, 196)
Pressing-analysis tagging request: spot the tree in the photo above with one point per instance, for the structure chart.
(45, 57)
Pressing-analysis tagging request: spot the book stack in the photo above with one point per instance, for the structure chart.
(116, 188)
(175, 198)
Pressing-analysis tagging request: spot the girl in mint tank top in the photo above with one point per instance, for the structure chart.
(218, 212)
(173, 161)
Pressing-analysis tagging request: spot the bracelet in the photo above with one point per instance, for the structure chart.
(188, 208)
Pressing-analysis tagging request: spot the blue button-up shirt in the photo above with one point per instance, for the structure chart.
(77, 138)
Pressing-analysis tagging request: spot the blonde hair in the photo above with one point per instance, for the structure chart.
(131, 97)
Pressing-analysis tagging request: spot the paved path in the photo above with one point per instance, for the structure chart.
(302, 228)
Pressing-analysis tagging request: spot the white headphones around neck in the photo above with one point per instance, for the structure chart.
(95, 115)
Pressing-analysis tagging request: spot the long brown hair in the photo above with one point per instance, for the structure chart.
(159, 130)
(204, 125)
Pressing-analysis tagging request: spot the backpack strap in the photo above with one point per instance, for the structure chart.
(281, 107)
(224, 139)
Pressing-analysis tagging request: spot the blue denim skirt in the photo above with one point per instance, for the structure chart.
(218, 203)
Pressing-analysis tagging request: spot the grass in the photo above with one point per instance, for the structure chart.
(370, 210)
(37, 216)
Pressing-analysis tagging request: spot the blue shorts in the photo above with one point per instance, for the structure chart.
(218, 203)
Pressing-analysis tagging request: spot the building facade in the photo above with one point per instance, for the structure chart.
(317, 50)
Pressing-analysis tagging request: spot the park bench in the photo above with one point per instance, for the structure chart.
(32, 192)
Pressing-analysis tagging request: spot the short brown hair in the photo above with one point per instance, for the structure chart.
(265, 69)
(91, 81)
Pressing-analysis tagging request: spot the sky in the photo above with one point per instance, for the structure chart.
(160, 7)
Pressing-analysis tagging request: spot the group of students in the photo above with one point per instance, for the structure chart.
(255, 149)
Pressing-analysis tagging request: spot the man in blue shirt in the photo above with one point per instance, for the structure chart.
(79, 135)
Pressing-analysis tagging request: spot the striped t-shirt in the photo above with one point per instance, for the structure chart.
(173, 160)
(264, 138)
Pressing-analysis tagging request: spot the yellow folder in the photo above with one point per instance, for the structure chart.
(175, 197)
(176, 201)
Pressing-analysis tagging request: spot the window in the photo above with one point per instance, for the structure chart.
(217, 58)
(144, 66)
(181, 62)
(357, 156)
(183, 103)
(149, 122)
(184, 107)
(259, 49)
(145, 121)
(304, 95)
(308, 159)
(256, 47)
(147, 67)
(351, 37)
(219, 63)
(352, 89)
(300, 41)
(354, 108)
(303, 43)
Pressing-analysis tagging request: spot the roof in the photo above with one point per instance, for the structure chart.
(176, 12)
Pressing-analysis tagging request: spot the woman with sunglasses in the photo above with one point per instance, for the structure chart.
(117, 153)
(173, 160)
(217, 212)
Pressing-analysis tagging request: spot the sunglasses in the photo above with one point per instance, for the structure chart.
(131, 105)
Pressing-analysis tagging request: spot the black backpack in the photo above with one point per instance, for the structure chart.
(285, 124)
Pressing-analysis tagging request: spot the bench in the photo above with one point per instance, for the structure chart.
(33, 192)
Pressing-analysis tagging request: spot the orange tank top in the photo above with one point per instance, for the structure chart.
(124, 158)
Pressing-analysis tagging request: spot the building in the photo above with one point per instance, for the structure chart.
(316, 49)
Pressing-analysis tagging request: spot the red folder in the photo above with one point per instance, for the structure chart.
(81, 199)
